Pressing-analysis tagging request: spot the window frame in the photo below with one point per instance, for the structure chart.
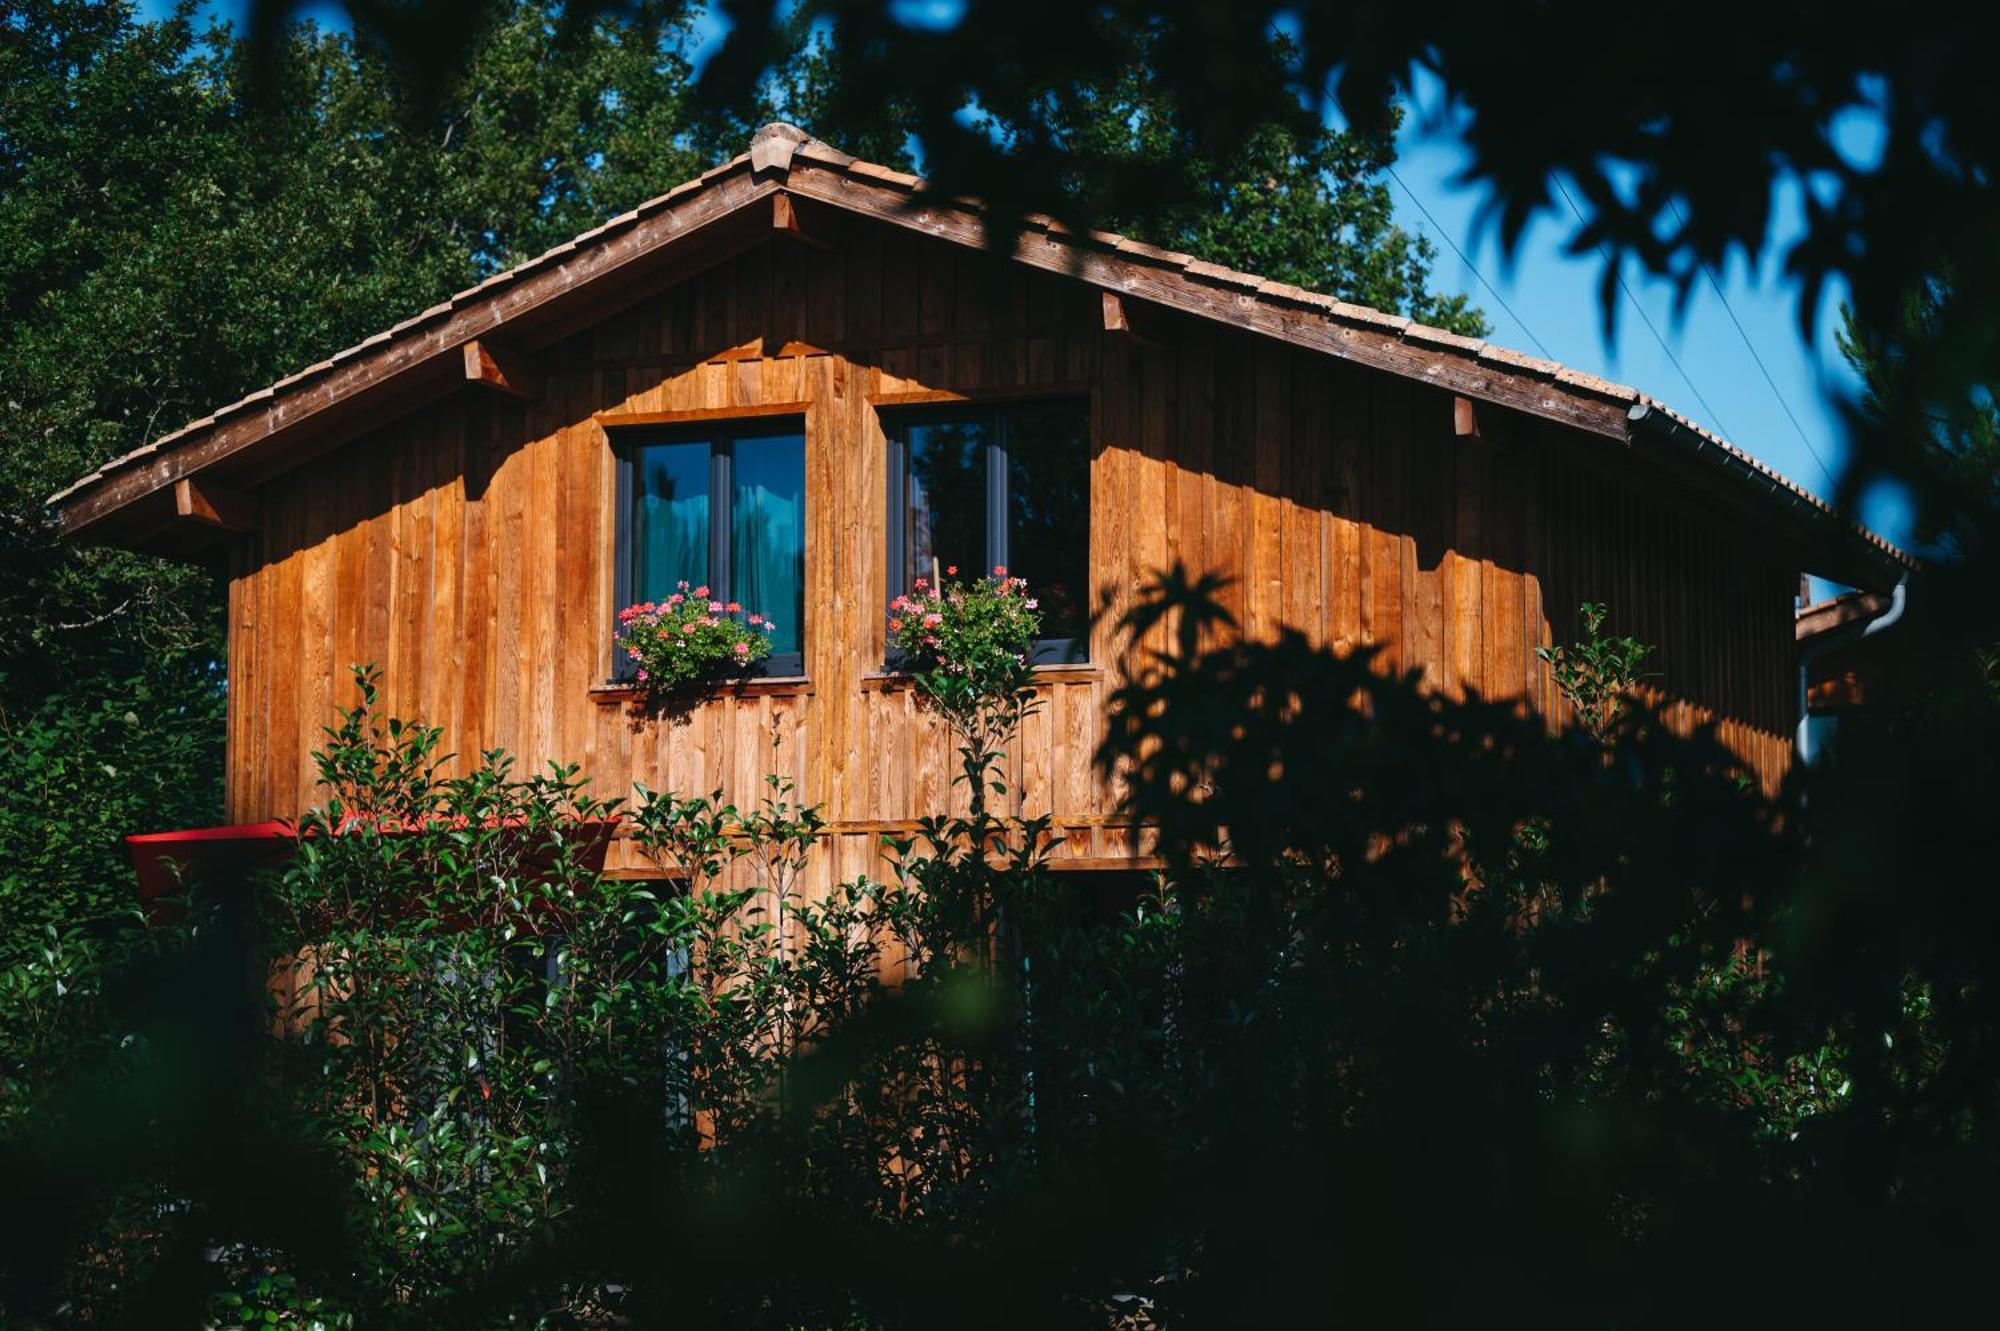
(896, 421)
(721, 435)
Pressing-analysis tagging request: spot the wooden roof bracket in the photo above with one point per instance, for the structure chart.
(785, 222)
(210, 503)
(1129, 319)
(502, 370)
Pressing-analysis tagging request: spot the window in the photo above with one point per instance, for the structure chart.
(973, 486)
(722, 506)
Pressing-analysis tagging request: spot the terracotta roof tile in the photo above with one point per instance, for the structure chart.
(1218, 274)
(1439, 337)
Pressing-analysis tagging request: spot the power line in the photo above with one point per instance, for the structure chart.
(1751, 347)
(1618, 271)
(1500, 299)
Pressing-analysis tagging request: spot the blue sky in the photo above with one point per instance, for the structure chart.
(1547, 302)
(1701, 364)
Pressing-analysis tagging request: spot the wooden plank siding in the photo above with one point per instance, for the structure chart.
(467, 547)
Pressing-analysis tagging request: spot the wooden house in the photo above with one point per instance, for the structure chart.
(830, 362)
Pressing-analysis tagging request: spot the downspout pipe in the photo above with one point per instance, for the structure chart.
(1899, 599)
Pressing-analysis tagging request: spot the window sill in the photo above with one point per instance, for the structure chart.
(1060, 672)
(782, 686)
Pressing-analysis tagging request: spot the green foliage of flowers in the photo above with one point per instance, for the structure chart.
(689, 638)
(970, 645)
(969, 640)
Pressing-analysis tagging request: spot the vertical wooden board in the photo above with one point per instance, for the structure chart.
(1147, 472)
(1384, 589)
(256, 690)
(716, 379)
(316, 623)
(930, 778)
(825, 314)
(861, 299)
(579, 628)
(980, 282)
(248, 677)
(1004, 363)
(448, 674)
(677, 313)
(968, 366)
(1229, 535)
(1080, 355)
(745, 758)
(1041, 310)
(604, 757)
(933, 365)
(902, 282)
(880, 728)
(1192, 442)
(288, 728)
(1038, 755)
(781, 316)
(1264, 557)
(1110, 498)
(625, 336)
(1083, 729)
(715, 305)
(937, 288)
(235, 665)
(1033, 360)
(1504, 671)
(1303, 580)
(542, 531)
(355, 586)
(1471, 536)
(746, 382)
(1431, 500)
(843, 568)
(1348, 421)
(428, 646)
(393, 460)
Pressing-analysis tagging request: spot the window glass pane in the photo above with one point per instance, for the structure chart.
(1048, 512)
(669, 518)
(945, 498)
(767, 544)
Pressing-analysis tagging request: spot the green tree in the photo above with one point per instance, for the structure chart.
(1296, 201)
(168, 244)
